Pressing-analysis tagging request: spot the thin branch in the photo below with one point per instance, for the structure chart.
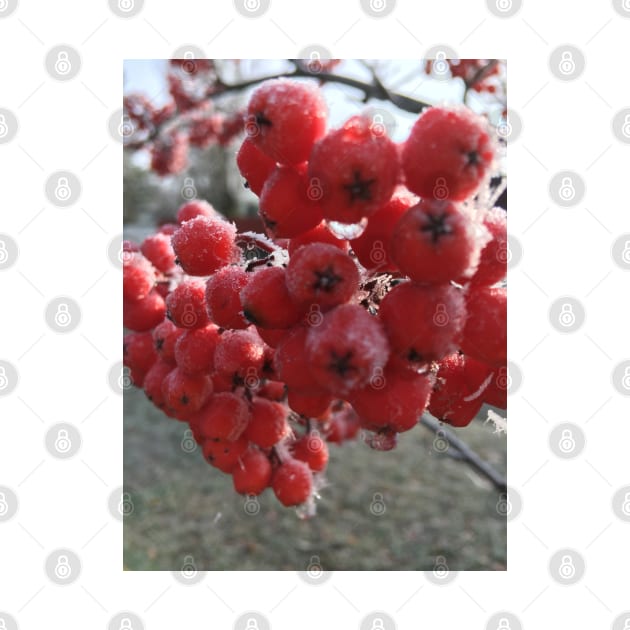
(478, 76)
(467, 454)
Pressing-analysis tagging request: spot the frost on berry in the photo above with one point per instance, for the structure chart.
(203, 245)
(286, 207)
(356, 169)
(448, 153)
(437, 241)
(346, 348)
(285, 118)
(423, 322)
(321, 274)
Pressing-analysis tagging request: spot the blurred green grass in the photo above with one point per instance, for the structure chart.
(434, 506)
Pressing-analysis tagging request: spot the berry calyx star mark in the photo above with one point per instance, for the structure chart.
(436, 226)
(359, 189)
(340, 364)
(326, 280)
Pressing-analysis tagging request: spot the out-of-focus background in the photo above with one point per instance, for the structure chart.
(397, 510)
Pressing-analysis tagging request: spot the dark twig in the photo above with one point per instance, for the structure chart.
(467, 454)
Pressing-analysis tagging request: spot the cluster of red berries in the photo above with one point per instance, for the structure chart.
(270, 347)
(480, 75)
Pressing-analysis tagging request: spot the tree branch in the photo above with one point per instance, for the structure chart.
(467, 454)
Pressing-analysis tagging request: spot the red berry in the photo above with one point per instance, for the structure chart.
(321, 274)
(144, 314)
(266, 301)
(311, 449)
(447, 154)
(392, 399)
(252, 474)
(138, 352)
(194, 350)
(273, 390)
(224, 455)
(153, 380)
(285, 118)
(319, 234)
(223, 301)
(138, 277)
(356, 169)
(186, 304)
(165, 336)
(309, 404)
(241, 354)
(288, 206)
(423, 322)
(169, 153)
(158, 249)
(272, 337)
(186, 393)
(291, 362)
(485, 334)
(374, 247)
(268, 423)
(493, 261)
(459, 388)
(225, 417)
(436, 241)
(196, 208)
(203, 245)
(254, 165)
(346, 348)
(292, 482)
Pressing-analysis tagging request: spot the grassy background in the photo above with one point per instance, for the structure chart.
(434, 506)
